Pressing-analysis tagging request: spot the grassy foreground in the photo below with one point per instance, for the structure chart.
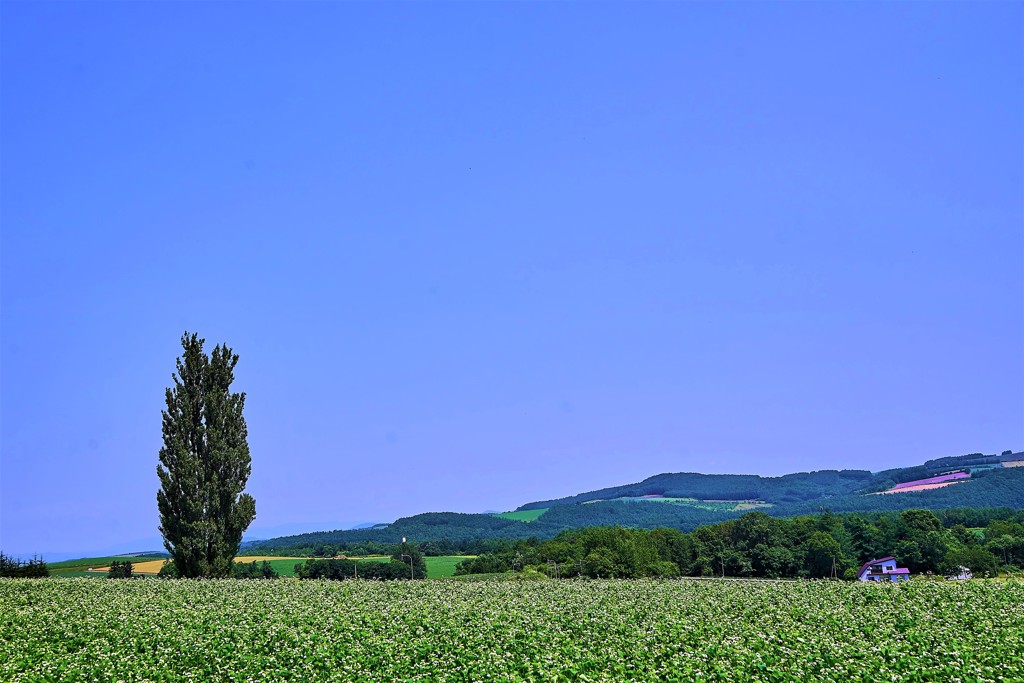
(85, 630)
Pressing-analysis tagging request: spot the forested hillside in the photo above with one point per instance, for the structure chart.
(790, 488)
(995, 488)
(687, 501)
(453, 529)
(800, 487)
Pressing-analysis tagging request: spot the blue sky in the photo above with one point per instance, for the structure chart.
(477, 254)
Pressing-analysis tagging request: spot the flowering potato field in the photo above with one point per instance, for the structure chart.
(149, 630)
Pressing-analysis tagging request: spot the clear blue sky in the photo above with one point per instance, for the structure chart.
(477, 254)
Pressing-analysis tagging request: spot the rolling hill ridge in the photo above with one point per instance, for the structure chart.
(687, 500)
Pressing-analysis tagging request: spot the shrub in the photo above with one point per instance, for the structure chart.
(253, 570)
(168, 570)
(120, 570)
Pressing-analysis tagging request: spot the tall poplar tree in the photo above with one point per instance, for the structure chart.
(204, 464)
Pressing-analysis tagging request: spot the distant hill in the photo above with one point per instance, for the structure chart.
(791, 488)
(801, 487)
(686, 500)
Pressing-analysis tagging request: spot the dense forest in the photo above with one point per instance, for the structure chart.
(758, 545)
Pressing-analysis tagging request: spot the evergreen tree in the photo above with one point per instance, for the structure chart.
(204, 464)
(33, 569)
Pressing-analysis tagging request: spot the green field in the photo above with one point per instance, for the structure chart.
(82, 630)
(443, 566)
(284, 567)
(523, 515)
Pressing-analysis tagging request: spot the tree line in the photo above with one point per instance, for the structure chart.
(406, 563)
(11, 567)
(758, 545)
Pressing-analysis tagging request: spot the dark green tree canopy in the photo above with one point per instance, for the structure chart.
(410, 555)
(204, 463)
(121, 570)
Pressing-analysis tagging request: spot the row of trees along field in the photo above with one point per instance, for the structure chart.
(11, 567)
(757, 545)
(239, 570)
(406, 563)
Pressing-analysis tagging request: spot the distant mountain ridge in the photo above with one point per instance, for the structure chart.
(686, 500)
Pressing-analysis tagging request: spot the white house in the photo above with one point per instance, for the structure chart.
(883, 569)
(960, 573)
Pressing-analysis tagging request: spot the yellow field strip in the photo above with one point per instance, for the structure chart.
(153, 566)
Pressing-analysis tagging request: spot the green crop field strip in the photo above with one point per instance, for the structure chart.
(86, 630)
(523, 515)
(284, 567)
(443, 566)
